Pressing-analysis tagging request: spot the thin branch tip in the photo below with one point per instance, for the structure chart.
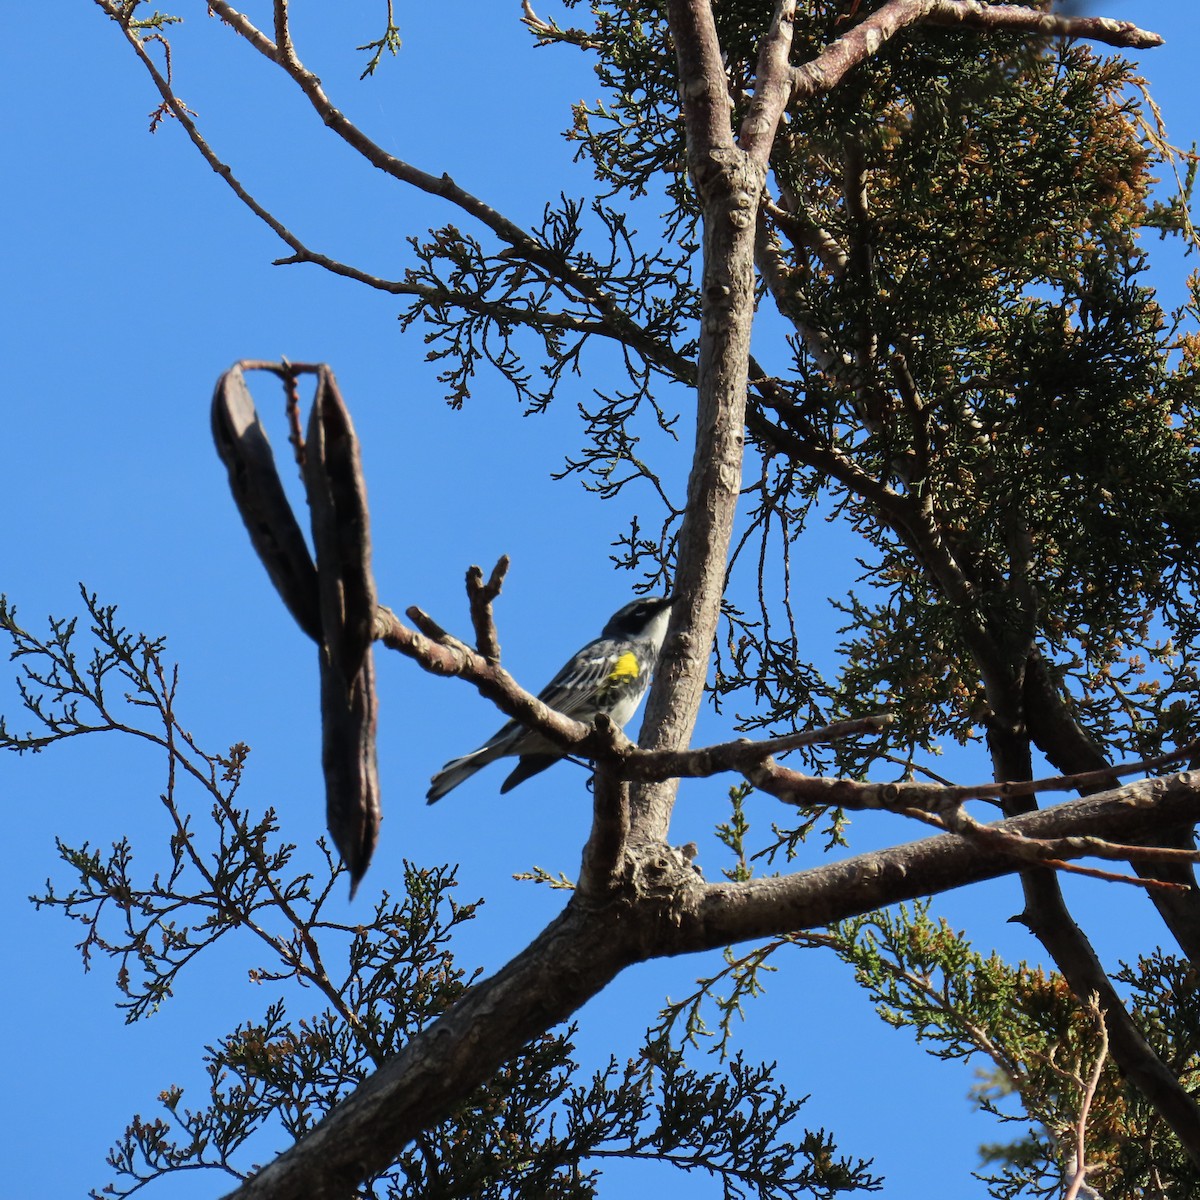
(499, 571)
(426, 624)
(480, 596)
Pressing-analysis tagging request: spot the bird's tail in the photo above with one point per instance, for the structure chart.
(458, 769)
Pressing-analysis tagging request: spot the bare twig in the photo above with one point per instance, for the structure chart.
(295, 430)
(1053, 853)
(429, 627)
(613, 321)
(1085, 1106)
(574, 282)
(548, 32)
(440, 654)
(480, 595)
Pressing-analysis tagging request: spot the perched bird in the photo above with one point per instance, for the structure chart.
(609, 675)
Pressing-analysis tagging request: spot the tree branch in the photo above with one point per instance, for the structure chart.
(855, 46)
(442, 186)
(1014, 18)
(794, 787)
(808, 899)
(1066, 744)
(729, 185)
(440, 654)
(1080, 1173)
(772, 87)
(663, 909)
(609, 838)
(480, 596)
(1047, 917)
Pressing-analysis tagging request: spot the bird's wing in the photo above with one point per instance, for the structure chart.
(599, 665)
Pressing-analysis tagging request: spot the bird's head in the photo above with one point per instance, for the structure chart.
(642, 618)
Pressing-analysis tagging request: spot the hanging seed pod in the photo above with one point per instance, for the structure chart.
(243, 447)
(334, 601)
(337, 497)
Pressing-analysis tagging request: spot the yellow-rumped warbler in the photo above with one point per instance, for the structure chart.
(609, 675)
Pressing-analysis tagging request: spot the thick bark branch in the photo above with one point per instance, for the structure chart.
(729, 179)
(772, 88)
(1048, 919)
(703, 89)
(1015, 18)
(729, 185)
(662, 909)
(608, 842)
(855, 46)
(573, 959)
(733, 912)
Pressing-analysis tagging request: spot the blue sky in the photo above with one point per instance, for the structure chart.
(134, 279)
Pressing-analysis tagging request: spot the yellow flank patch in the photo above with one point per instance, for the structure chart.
(626, 667)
